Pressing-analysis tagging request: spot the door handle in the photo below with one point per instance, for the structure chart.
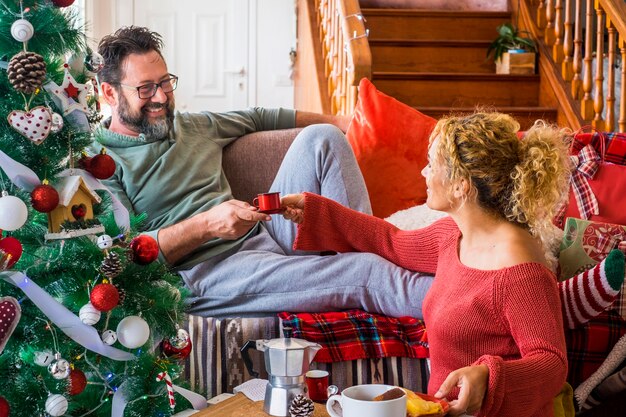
(241, 71)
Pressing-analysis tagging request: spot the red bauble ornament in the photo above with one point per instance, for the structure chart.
(9, 246)
(77, 382)
(44, 198)
(63, 3)
(4, 407)
(101, 166)
(144, 249)
(178, 347)
(104, 297)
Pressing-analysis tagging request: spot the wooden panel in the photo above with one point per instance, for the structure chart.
(431, 56)
(526, 116)
(429, 24)
(310, 84)
(459, 90)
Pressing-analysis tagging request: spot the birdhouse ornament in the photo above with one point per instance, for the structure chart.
(74, 214)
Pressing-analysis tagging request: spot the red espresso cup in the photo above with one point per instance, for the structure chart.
(317, 385)
(268, 203)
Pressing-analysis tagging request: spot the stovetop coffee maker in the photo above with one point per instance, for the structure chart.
(286, 362)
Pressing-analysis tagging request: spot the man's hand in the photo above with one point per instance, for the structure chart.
(304, 119)
(473, 382)
(293, 205)
(229, 220)
(232, 219)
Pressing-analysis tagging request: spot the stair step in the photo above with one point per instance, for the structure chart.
(431, 55)
(433, 24)
(459, 90)
(526, 116)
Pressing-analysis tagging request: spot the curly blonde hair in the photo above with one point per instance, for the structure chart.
(523, 181)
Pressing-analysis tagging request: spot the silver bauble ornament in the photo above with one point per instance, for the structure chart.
(181, 340)
(56, 405)
(22, 30)
(94, 62)
(59, 368)
(43, 357)
(57, 123)
(89, 315)
(109, 337)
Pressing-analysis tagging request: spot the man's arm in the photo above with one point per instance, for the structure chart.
(304, 119)
(229, 220)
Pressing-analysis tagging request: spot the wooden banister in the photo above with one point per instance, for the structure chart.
(347, 54)
(582, 39)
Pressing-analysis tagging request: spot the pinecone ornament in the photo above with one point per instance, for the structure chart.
(301, 406)
(111, 266)
(26, 71)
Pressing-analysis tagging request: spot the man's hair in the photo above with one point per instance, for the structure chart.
(117, 47)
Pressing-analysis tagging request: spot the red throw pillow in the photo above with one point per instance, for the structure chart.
(390, 141)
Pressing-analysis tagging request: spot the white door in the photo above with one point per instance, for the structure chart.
(206, 45)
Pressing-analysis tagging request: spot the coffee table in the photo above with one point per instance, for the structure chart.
(241, 406)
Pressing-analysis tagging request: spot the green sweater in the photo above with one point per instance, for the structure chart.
(175, 178)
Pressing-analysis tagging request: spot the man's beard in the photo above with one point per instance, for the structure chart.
(141, 123)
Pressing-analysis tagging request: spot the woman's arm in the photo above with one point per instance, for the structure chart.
(531, 309)
(327, 225)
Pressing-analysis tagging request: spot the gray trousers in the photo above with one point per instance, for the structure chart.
(264, 275)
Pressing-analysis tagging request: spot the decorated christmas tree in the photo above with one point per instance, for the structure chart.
(89, 324)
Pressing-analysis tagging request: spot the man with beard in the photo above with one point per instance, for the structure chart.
(233, 258)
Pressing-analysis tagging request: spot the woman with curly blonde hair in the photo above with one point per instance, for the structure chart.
(493, 314)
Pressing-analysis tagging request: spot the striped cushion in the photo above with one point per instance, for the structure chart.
(215, 365)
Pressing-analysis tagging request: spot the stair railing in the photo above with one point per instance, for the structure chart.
(587, 41)
(347, 56)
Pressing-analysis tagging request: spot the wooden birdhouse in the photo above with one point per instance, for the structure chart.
(74, 215)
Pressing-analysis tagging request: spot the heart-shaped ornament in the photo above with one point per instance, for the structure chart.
(79, 211)
(10, 312)
(33, 125)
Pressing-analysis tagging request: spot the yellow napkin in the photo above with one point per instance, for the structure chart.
(564, 402)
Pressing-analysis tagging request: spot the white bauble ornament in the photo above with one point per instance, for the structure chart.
(43, 358)
(132, 332)
(22, 30)
(13, 212)
(89, 315)
(109, 337)
(59, 368)
(104, 242)
(56, 405)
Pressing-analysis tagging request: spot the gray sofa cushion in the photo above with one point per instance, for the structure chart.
(252, 161)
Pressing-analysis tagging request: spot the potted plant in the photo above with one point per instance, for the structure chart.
(513, 53)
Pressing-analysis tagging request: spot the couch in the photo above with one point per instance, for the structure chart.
(215, 365)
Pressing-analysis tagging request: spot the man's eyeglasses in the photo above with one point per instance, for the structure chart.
(150, 89)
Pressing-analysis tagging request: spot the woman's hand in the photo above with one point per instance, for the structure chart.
(473, 382)
(293, 205)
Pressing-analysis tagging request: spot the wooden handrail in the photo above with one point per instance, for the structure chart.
(347, 54)
(584, 39)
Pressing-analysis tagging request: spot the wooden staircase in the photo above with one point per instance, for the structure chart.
(435, 61)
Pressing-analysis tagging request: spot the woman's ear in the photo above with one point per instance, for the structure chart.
(461, 188)
(109, 93)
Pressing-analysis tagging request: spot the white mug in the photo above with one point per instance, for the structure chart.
(358, 401)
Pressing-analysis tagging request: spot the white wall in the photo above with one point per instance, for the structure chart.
(272, 35)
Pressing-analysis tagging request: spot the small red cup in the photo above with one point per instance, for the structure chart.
(268, 203)
(317, 385)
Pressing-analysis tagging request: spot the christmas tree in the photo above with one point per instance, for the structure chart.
(89, 324)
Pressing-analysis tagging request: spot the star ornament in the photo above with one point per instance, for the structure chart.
(70, 95)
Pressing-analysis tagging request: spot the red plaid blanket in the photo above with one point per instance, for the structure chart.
(589, 345)
(355, 334)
